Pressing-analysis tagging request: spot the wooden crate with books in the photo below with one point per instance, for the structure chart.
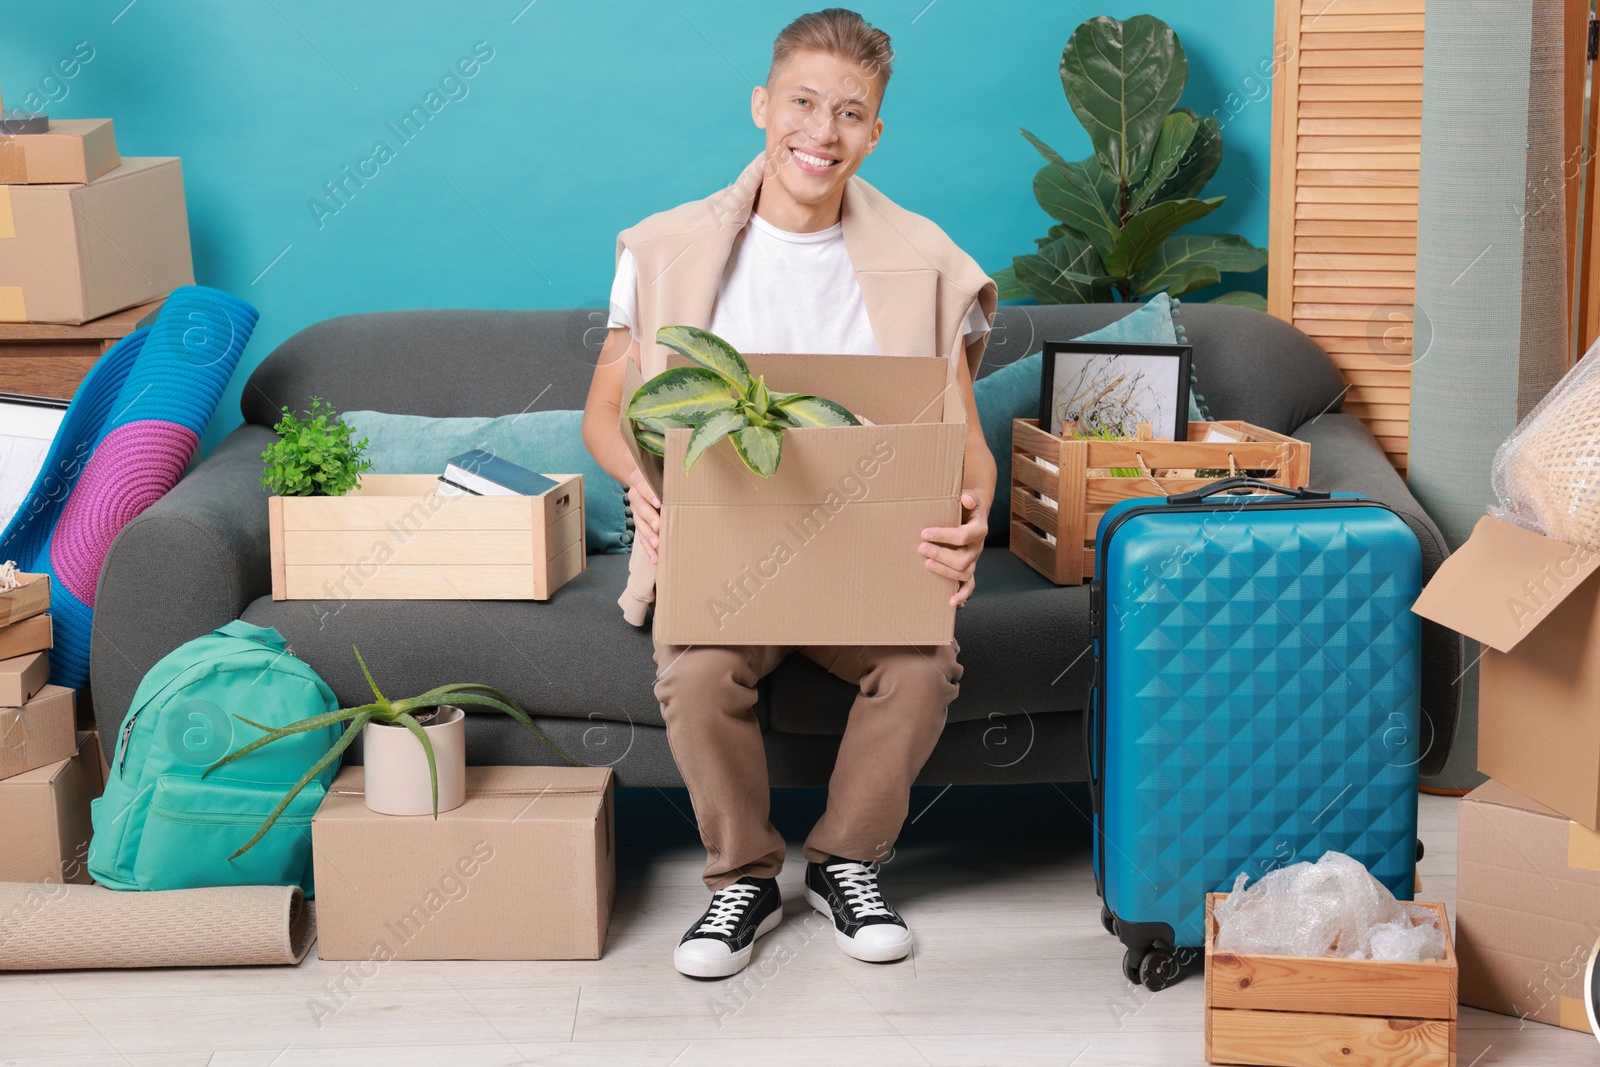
(1061, 486)
(484, 530)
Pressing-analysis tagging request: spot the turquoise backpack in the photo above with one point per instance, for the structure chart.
(159, 824)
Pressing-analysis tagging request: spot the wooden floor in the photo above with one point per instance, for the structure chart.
(1011, 967)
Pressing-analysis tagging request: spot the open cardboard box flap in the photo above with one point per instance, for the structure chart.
(1499, 586)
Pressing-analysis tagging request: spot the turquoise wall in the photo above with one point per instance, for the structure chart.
(579, 119)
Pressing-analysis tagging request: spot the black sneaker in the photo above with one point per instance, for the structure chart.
(864, 924)
(720, 942)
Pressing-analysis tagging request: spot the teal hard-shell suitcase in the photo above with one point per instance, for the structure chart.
(1256, 701)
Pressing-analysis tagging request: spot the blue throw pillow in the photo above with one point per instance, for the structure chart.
(1012, 392)
(545, 441)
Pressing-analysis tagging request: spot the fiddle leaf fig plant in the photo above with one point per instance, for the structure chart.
(410, 712)
(720, 398)
(1118, 211)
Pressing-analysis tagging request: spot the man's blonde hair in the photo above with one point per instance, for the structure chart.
(840, 32)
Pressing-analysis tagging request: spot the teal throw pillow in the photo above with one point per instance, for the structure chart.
(550, 442)
(1012, 392)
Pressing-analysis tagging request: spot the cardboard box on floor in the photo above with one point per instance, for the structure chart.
(825, 551)
(34, 634)
(39, 732)
(26, 600)
(74, 152)
(21, 677)
(45, 813)
(71, 253)
(1535, 604)
(1527, 907)
(524, 870)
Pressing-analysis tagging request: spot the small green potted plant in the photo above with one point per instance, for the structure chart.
(719, 398)
(315, 455)
(399, 777)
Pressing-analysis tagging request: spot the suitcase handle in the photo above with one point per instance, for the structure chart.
(1090, 735)
(1233, 485)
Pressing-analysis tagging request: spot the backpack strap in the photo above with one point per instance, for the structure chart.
(264, 635)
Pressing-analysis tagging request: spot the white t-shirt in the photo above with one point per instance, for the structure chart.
(781, 292)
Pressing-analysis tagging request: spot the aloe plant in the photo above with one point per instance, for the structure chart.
(1119, 210)
(388, 712)
(719, 398)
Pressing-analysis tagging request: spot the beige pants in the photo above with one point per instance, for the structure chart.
(708, 696)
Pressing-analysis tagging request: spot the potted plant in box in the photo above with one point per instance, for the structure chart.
(719, 398)
(402, 741)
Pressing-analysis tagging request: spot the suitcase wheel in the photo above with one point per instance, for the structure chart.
(1154, 968)
(1108, 920)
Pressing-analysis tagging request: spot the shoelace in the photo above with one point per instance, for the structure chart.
(860, 885)
(727, 904)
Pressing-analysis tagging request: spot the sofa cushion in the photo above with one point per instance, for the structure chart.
(550, 442)
(1024, 647)
(573, 655)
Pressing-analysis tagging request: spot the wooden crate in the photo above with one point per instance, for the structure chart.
(1296, 1011)
(396, 538)
(1054, 514)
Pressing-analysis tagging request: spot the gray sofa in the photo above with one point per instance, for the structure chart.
(198, 559)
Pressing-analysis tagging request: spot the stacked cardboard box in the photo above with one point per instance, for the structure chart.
(1528, 882)
(48, 770)
(84, 232)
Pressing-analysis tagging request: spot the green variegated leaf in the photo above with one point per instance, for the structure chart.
(1065, 271)
(1068, 192)
(1172, 146)
(1190, 261)
(800, 409)
(1198, 164)
(681, 393)
(1122, 78)
(1005, 280)
(653, 441)
(1144, 233)
(760, 447)
(1242, 298)
(709, 432)
(760, 397)
(708, 350)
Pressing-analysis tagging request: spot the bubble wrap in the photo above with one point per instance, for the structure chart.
(1333, 907)
(1546, 475)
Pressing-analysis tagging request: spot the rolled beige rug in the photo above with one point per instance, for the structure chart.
(51, 926)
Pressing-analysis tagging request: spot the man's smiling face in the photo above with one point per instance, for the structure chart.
(821, 117)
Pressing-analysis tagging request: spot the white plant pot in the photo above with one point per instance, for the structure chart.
(397, 779)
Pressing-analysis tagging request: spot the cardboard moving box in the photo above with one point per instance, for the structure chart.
(524, 870)
(39, 732)
(71, 253)
(75, 151)
(1527, 907)
(33, 634)
(26, 600)
(21, 677)
(45, 813)
(825, 551)
(1536, 606)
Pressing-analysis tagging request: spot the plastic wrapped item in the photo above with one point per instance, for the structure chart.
(1333, 907)
(1546, 475)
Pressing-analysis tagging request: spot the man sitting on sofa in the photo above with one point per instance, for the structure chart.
(798, 255)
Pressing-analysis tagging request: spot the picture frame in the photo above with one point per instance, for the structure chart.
(1122, 384)
(30, 424)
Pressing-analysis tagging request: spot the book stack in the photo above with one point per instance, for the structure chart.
(49, 771)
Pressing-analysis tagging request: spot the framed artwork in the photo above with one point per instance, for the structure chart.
(28, 425)
(1111, 388)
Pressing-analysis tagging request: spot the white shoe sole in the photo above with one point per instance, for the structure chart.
(735, 961)
(883, 953)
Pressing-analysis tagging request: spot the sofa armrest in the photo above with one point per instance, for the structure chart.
(1346, 457)
(187, 564)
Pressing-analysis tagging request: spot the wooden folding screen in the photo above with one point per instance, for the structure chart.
(1347, 127)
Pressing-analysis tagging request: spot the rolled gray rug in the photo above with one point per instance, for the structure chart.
(51, 926)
